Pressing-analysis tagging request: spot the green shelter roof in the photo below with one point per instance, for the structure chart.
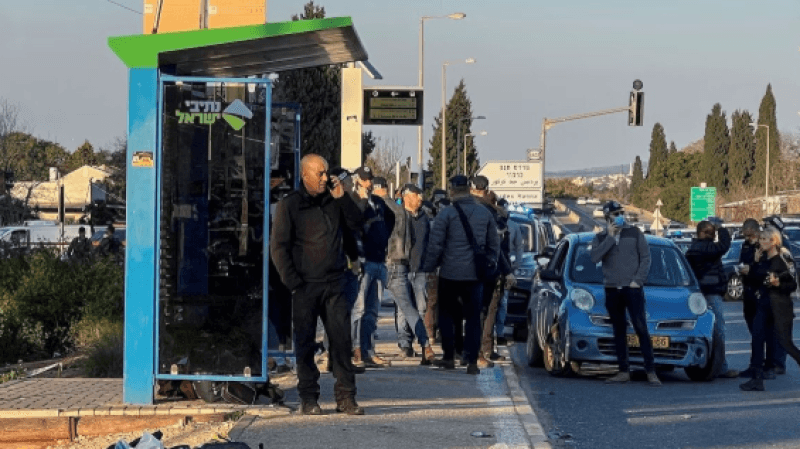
(246, 50)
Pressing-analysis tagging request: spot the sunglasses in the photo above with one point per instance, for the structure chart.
(616, 214)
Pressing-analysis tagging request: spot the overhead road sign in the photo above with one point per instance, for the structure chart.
(703, 203)
(516, 181)
(393, 106)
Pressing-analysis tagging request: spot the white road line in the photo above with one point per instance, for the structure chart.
(509, 430)
(525, 413)
(722, 405)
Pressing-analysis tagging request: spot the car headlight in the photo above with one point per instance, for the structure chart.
(582, 299)
(697, 303)
(524, 273)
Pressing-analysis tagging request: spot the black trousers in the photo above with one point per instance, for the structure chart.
(775, 355)
(327, 302)
(783, 312)
(632, 299)
(460, 300)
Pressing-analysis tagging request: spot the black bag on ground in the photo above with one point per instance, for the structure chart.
(485, 268)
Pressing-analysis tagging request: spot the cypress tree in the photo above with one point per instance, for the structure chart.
(672, 148)
(741, 158)
(766, 116)
(638, 176)
(715, 149)
(458, 107)
(658, 155)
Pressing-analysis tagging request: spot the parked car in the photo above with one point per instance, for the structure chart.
(582, 201)
(568, 324)
(593, 200)
(598, 212)
(534, 242)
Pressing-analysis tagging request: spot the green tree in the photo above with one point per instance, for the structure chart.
(741, 157)
(459, 107)
(658, 155)
(766, 116)
(672, 148)
(715, 150)
(83, 155)
(638, 176)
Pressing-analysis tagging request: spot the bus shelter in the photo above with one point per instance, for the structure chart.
(206, 148)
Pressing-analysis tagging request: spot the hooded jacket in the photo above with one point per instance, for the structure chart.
(307, 242)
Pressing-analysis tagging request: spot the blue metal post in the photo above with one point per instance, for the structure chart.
(140, 257)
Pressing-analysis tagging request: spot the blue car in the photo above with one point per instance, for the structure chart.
(568, 324)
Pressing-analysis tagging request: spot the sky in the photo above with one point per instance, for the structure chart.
(534, 59)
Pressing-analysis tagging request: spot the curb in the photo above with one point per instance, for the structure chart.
(527, 417)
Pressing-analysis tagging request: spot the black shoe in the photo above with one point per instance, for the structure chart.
(310, 408)
(502, 341)
(407, 352)
(496, 357)
(754, 384)
(769, 374)
(349, 406)
(472, 368)
(748, 373)
(445, 364)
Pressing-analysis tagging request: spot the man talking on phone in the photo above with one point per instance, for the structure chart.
(307, 248)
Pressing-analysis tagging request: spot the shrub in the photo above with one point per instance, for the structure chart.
(105, 356)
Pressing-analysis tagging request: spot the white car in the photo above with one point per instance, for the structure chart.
(594, 201)
(598, 212)
(582, 201)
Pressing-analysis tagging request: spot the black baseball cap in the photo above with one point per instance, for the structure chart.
(479, 182)
(378, 182)
(410, 188)
(459, 181)
(365, 173)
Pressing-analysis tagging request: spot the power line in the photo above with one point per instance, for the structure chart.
(123, 6)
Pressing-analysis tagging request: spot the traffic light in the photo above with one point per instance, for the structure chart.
(427, 179)
(636, 108)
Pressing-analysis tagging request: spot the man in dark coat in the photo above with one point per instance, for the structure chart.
(307, 248)
(705, 257)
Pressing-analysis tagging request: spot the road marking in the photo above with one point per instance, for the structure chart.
(524, 411)
(723, 405)
(663, 419)
(510, 431)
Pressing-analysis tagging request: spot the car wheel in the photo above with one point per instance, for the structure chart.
(532, 349)
(735, 288)
(555, 362)
(520, 332)
(714, 363)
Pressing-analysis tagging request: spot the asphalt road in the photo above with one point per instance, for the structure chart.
(583, 412)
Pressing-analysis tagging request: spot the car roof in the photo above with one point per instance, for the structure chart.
(587, 237)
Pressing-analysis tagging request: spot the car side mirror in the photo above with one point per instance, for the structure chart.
(549, 275)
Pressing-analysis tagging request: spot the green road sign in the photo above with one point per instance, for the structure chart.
(703, 202)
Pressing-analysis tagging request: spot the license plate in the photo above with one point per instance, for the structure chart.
(658, 341)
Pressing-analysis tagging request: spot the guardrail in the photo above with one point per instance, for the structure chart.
(579, 217)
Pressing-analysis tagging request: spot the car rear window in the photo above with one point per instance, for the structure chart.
(668, 267)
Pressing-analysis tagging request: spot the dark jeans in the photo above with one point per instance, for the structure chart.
(403, 295)
(775, 355)
(761, 329)
(492, 295)
(323, 300)
(783, 312)
(632, 299)
(460, 300)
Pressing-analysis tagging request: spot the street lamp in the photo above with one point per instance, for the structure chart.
(421, 82)
(444, 115)
(460, 125)
(766, 173)
(482, 133)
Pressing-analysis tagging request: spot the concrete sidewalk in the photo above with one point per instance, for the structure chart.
(408, 405)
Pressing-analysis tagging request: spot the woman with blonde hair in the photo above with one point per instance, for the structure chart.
(774, 303)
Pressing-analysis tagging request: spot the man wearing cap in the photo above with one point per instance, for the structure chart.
(460, 290)
(494, 289)
(378, 222)
(407, 246)
(307, 248)
(625, 255)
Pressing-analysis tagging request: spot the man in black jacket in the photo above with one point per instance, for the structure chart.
(705, 258)
(307, 249)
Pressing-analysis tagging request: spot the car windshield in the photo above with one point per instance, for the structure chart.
(793, 234)
(668, 267)
(735, 251)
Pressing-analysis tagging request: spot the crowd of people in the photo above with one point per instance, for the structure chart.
(81, 250)
(342, 238)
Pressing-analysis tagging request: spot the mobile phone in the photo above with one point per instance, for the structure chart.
(342, 176)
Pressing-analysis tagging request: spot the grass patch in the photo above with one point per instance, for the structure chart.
(104, 342)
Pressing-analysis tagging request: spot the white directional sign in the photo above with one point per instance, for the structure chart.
(516, 181)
